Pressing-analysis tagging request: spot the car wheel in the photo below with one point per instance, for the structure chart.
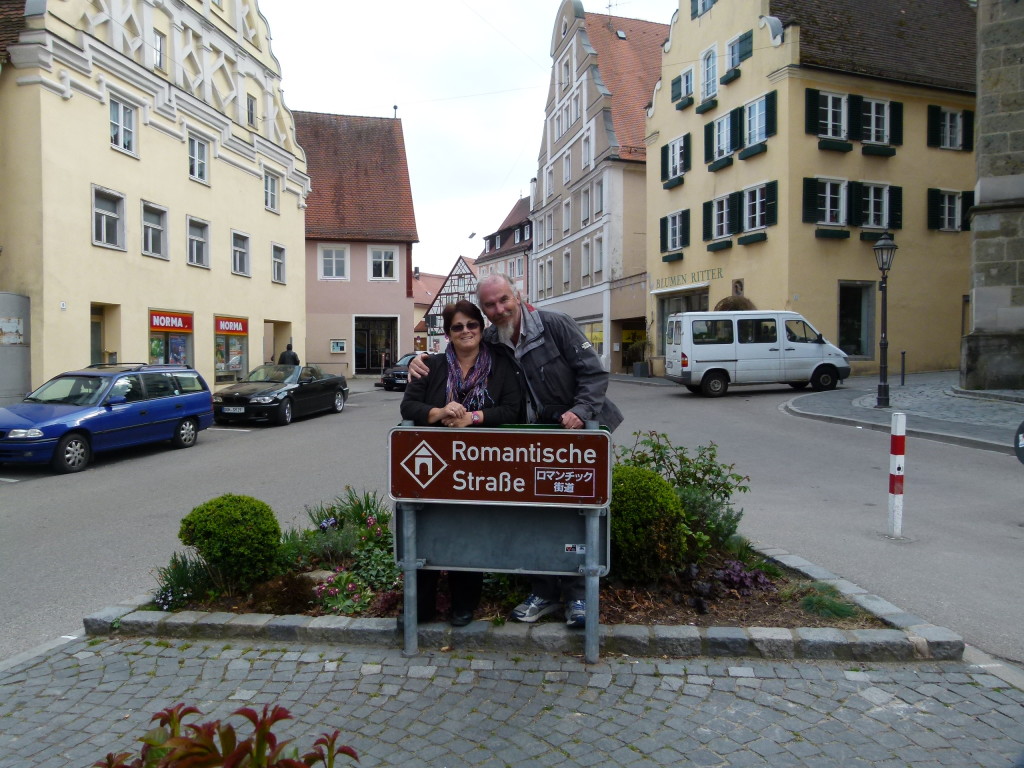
(284, 414)
(72, 454)
(824, 378)
(715, 384)
(693, 388)
(339, 401)
(186, 434)
(798, 384)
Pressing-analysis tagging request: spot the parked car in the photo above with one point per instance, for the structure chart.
(78, 414)
(280, 393)
(397, 376)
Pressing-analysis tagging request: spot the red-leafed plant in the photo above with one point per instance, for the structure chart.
(174, 744)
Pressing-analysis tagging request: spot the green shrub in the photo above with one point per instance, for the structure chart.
(707, 513)
(184, 579)
(654, 451)
(239, 536)
(649, 536)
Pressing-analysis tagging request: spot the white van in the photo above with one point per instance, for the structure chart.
(708, 351)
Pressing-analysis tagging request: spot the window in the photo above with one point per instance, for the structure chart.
(756, 118)
(945, 210)
(382, 264)
(277, 264)
(824, 201)
(709, 68)
(549, 181)
(159, 50)
(950, 129)
(755, 208)
(526, 231)
(519, 266)
(677, 158)
(712, 332)
(585, 162)
(122, 126)
(566, 267)
(239, 254)
(575, 107)
(757, 330)
(550, 222)
(566, 167)
(584, 206)
(550, 274)
(599, 196)
(540, 280)
(700, 7)
(832, 115)
(723, 137)
(875, 126)
(874, 205)
(598, 255)
(270, 187)
(740, 49)
(154, 231)
(566, 215)
(198, 242)
(517, 235)
(250, 109)
(875, 211)
(675, 231)
(720, 222)
(333, 263)
(565, 74)
(198, 153)
(107, 218)
(682, 86)
(585, 260)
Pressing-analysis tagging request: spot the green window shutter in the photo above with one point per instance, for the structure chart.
(854, 117)
(736, 136)
(771, 112)
(709, 211)
(771, 208)
(677, 88)
(895, 123)
(810, 201)
(966, 203)
(664, 162)
(855, 203)
(895, 207)
(735, 213)
(693, 9)
(686, 153)
(746, 45)
(968, 125)
(812, 124)
(709, 142)
(664, 233)
(684, 227)
(934, 209)
(934, 135)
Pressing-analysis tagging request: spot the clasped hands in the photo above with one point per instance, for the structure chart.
(455, 415)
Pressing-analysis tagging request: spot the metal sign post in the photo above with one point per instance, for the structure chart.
(516, 500)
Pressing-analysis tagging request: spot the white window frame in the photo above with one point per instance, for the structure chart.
(723, 137)
(566, 167)
(526, 231)
(566, 215)
(539, 292)
(340, 254)
(686, 83)
(550, 220)
(278, 264)
(674, 241)
(676, 157)
(586, 151)
(550, 275)
(709, 74)
(720, 218)
(566, 267)
(122, 126)
(755, 208)
(271, 191)
(154, 231)
(831, 201)
(830, 107)
(584, 207)
(703, 6)
(876, 206)
(566, 73)
(198, 253)
(382, 259)
(251, 110)
(598, 196)
(875, 121)
(755, 116)
(951, 135)
(497, 241)
(585, 258)
(240, 256)
(198, 159)
(949, 211)
(575, 107)
(549, 181)
(732, 53)
(159, 50)
(518, 235)
(107, 222)
(598, 254)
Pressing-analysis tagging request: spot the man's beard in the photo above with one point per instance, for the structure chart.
(506, 330)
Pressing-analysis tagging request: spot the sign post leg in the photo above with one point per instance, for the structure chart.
(411, 630)
(591, 639)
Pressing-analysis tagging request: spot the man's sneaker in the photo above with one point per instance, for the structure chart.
(533, 608)
(576, 614)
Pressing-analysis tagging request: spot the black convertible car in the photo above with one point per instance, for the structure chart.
(279, 393)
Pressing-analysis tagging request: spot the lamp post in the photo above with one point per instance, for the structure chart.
(885, 252)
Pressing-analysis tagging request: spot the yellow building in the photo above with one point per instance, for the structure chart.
(154, 195)
(791, 135)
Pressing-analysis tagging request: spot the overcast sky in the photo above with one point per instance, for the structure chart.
(469, 78)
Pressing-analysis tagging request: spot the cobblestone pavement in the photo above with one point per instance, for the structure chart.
(74, 703)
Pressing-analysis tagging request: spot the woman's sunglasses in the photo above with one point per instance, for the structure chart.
(458, 327)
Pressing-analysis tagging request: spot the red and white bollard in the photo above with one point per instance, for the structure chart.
(897, 465)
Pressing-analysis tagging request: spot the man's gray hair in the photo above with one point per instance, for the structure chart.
(496, 277)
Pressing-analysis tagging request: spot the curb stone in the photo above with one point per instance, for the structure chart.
(910, 639)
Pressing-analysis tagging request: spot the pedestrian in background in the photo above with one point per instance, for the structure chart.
(288, 357)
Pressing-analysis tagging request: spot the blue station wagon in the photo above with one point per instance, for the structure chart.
(104, 407)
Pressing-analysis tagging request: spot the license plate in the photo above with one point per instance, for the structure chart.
(233, 409)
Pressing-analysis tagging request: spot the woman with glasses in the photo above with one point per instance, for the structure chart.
(468, 386)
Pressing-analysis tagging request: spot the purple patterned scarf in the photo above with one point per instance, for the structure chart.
(472, 392)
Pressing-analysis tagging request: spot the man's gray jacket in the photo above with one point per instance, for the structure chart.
(562, 370)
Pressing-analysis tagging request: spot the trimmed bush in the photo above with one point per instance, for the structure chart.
(649, 535)
(238, 536)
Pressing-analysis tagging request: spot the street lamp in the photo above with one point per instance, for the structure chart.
(885, 252)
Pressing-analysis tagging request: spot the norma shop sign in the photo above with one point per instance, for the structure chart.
(540, 467)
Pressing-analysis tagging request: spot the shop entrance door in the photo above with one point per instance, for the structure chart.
(376, 339)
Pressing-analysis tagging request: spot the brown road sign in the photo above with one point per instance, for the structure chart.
(545, 467)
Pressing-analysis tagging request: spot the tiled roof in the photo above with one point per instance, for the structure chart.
(12, 21)
(517, 217)
(629, 68)
(360, 178)
(426, 286)
(520, 214)
(925, 42)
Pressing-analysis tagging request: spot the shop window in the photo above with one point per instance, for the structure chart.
(230, 348)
